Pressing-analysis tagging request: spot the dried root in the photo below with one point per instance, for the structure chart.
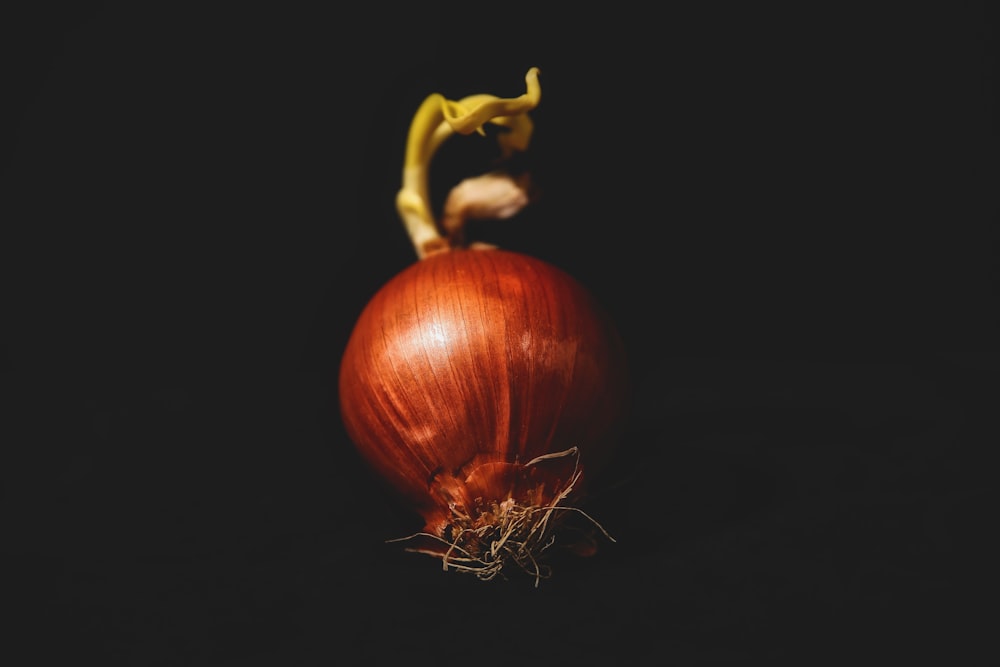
(486, 541)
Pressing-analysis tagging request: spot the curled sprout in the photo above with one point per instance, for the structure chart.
(438, 118)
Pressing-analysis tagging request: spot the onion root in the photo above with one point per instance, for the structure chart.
(486, 540)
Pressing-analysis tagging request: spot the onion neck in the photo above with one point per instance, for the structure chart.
(438, 118)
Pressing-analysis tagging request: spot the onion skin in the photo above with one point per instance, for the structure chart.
(469, 365)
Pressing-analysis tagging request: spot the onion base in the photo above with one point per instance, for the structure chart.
(486, 537)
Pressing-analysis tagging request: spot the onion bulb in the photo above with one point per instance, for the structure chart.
(486, 387)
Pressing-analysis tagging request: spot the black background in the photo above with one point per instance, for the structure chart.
(790, 212)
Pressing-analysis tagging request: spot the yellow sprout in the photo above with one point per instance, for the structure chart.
(438, 118)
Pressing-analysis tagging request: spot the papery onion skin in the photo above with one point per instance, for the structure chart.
(471, 363)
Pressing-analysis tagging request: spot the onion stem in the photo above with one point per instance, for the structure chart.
(438, 118)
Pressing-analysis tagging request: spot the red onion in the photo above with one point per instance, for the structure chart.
(487, 388)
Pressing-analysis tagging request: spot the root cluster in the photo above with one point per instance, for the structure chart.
(491, 538)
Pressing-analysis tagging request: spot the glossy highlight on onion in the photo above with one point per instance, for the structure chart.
(486, 387)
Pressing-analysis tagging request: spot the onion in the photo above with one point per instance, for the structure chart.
(486, 387)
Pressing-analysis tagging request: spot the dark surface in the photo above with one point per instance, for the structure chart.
(787, 211)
